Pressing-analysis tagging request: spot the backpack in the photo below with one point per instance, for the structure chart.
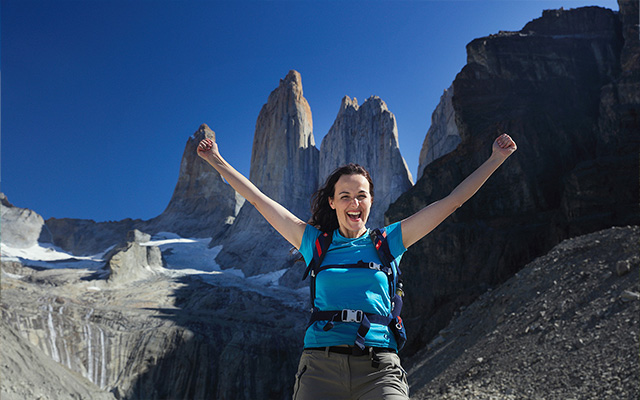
(389, 267)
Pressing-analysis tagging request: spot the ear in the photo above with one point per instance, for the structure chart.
(331, 203)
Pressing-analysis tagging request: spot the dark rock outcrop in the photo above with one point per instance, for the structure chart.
(548, 86)
(367, 135)
(284, 166)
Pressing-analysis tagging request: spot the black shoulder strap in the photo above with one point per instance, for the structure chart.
(320, 248)
(379, 239)
(380, 242)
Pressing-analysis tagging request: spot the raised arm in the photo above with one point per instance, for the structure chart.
(287, 224)
(424, 221)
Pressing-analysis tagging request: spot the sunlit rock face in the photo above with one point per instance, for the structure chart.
(284, 166)
(551, 86)
(367, 135)
(21, 227)
(443, 136)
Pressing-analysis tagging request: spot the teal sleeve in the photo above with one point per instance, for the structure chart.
(394, 236)
(309, 237)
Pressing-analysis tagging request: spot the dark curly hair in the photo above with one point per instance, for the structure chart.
(323, 216)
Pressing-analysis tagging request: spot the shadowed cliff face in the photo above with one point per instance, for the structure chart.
(544, 86)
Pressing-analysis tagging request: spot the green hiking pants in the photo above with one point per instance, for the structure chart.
(326, 375)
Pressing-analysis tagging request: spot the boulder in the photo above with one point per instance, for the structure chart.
(132, 262)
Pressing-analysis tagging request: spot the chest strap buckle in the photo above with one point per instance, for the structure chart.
(352, 315)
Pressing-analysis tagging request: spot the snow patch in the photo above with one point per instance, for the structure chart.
(182, 256)
(268, 279)
(186, 254)
(48, 256)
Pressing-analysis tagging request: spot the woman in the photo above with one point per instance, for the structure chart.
(334, 365)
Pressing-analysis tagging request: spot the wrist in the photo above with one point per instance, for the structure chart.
(498, 157)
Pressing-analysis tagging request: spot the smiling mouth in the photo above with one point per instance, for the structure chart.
(354, 216)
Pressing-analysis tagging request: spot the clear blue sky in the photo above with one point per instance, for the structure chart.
(100, 97)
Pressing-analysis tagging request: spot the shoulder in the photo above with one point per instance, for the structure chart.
(394, 238)
(309, 237)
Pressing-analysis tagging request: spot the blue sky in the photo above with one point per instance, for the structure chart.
(100, 97)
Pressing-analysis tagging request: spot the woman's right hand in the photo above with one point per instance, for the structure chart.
(207, 149)
(288, 225)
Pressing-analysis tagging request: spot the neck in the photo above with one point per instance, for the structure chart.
(352, 234)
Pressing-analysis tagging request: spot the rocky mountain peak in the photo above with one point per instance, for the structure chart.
(204, 132)
(202, 203)
(348, 103)
(293, 81)
(283, 156)
(560, 99)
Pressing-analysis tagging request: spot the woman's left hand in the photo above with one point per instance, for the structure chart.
(503, 146)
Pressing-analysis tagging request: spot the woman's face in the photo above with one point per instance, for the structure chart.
(352, 202)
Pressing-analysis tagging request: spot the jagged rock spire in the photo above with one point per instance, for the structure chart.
(284, 165)
(202, 202)
(368, 135)
(284, 160)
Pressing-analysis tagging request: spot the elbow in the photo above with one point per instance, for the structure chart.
(454, 203)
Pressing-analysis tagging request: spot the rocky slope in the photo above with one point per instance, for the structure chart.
(565, 327)
(367, 135)
(561, 328)
(545, 86)
(146, 335)
(50, 380)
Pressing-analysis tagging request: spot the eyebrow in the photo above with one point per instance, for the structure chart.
(345, 192)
